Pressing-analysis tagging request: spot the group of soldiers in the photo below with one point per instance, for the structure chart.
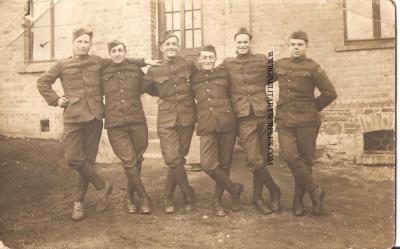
(225, 101)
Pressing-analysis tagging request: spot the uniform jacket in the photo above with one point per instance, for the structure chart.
(80, 79)
(122, 88)
(172, 81)
(248, 78)
(214, 111)
(298, 78)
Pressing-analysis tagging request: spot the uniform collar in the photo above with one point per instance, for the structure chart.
(298, 59)
(170, 60)
(118, 64)
(81, 57)
(244, 56)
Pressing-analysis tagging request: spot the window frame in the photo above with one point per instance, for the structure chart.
(376, 27)
(162, 27)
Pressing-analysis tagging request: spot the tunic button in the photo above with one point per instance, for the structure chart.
(122, 90)
(290, 71)
(83, 78)
(206, 81)
(211, 108)
(175, 85)
(123, 100)
(228, 110)
(207, 90)
(289, 80)
(248, 95)
(206, 75)
(209, 99)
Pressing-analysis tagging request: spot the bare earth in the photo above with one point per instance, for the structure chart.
(36, 198)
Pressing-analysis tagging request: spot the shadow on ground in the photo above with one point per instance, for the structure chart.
(36, 197)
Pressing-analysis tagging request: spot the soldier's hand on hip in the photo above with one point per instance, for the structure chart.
(63, 102)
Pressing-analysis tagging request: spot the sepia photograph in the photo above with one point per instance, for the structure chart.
(197, 124)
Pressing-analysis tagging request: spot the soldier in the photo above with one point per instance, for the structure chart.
(176, 117)
(216, 126)
(83, 114)
(125, 121)
(298, 119)
(248, 79)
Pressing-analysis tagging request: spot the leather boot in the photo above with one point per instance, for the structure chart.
(258, 201)
(103, 202)
(182, 181)
(298, 205)
(131, 207)
(317, 197)
(78, 212)
(145, 206)
(274, 190)
(236, 205)
(218, 208)
(169, 206)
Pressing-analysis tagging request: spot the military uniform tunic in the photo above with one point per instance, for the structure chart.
(248, 79)
(216, 122)
(176, 108)
(80, 79)
(297, 113)
(124, 116)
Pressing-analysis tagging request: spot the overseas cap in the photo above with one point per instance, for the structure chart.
(243, 31)
(299, 35)
(166, 35)
(115, 43)
(208, 48)
(81, 31)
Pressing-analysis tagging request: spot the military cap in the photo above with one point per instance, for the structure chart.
(208, 48)
(299, 35)
(166, 35)
(115, 43)
(81, 31)
(243, 31)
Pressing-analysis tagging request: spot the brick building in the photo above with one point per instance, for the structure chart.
(353, 40)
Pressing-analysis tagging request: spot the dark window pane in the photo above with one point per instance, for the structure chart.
(188, 20)
(196, 4)
(189, 39)
(176, 5)
(197, 38)
(168, 17)
(168, 5)
(359, 19)
(197, 19)
(41, 43)
(188, 4)
(387, 19)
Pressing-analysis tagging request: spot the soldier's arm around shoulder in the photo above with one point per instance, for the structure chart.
(147, 83)
(45, 82)
(325, 86)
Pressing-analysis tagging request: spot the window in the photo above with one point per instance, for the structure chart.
(50, 29)
(369, 20)
(184, 18)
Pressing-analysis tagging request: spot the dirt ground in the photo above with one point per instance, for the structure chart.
(36, 198)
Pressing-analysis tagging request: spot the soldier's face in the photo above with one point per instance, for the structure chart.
(297, 47)
(81, 45)
(207, 60)
(118, 53)
(242, 42)
(170, 47)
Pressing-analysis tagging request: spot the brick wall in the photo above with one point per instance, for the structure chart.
(364, 79)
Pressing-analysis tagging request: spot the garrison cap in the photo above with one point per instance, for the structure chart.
(166, 35)
(299, 35)
(81, 31)
(208, 48)
(243, 31)
(115, 43)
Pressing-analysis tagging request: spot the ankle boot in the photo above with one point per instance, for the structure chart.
(317, 197)
(274, 191)
(218, 208)
(169, 206)
(238, 189)
(258, 201)
(145, 205)
(182, 181)
(298, 205)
